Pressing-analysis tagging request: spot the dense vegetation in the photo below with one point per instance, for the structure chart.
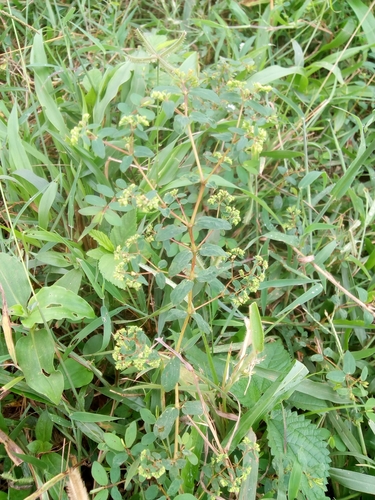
(187, 249)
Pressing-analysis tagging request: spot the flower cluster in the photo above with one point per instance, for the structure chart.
(145, 202)
(124, 255)
(160, 96)
(293, 213)
(259, 87)
(224, 199)
(76, 132)
(133, 349)
(249, 280)
(150, 465)
(134, 120)
(258, 137)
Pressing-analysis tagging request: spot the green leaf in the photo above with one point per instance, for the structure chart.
(210, 250)
(102, 239)
(99, 473)
(56, 302)
(79, 375)
(309, 179)
(112, 217)
(171, 374)
(207, 222)
(113, 442)
(185, 496)
(170, 232)
(44, 426)
(179, 293)
(349, 365)
(107, 267)
(14, 281)
(202, 324)
(364, 483)
(165, 422)
(293, 438)
(180, 262)
(313, 292)
(147, 416)
(366, 18)
(285, 238)
(249, 485)
(120, 75)
(131, 434)
(192, 408)
(281, 154)
(143, 152)
(205, 94)
(127, 229)
(18, 156)
(45, 204)
(256, 328)
(35, 354)
(82, 416)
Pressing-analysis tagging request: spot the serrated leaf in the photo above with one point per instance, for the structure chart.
(293, 438)
(180, 292)
(207, 222)
(180, 262)
(102, 239)
(127, 229)
(107, 267)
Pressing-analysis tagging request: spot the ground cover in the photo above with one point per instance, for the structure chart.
(187, 250)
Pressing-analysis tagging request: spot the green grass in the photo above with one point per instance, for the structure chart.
(187, 250)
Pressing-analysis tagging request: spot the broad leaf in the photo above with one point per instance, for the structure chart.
(293, 438)
(56, 302)
(35, 354)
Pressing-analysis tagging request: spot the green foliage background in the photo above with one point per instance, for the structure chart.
(187, 250)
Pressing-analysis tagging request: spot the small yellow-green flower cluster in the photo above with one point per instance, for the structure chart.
(293, 213)
(232, 215)
(258, 139)
(219, 156)
(150, 466)
(134, 120)
(229, 213)
(160, 96)
(236, 84)
(133, 349)
(236, 252)
(221, 197)
(141, 201)
(76, 132)
(124, 256)
(250, 280)
(259, 87)
(188, 78)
